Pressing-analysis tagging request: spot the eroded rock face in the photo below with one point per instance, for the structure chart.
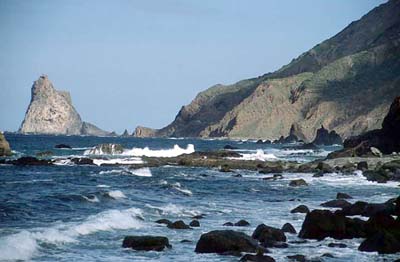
(4, 146)
(51, 112)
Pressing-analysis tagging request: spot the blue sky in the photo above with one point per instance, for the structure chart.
(129, 63)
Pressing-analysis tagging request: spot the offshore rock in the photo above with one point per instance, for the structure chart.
(146, 243)
(5, 149)
(324, 137)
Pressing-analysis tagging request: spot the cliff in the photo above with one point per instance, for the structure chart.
(51, 112)
(346, 84)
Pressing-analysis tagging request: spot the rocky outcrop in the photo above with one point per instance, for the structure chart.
(146, 243)
(4, 146)
(386, 139)
(51, 112)
(342, 83)
(324, 137)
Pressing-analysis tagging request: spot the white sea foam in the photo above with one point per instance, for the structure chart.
(63, 162)
(178, 187)
(116, 194)
(91, 198)
(103, 186)
(25, 244)
(175, 210)
(175, 151)
(118, 161)
(113, 171)
(258, 155)
(145, 171)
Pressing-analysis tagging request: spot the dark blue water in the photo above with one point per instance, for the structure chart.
(82, 213)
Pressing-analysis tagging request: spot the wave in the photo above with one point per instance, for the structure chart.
(116, 194)
(91, 198)
(174, 210)
(146, 172)
(175, 151)
(259, 155)
(26, 244)
(118, 161)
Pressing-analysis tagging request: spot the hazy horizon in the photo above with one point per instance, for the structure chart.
(137, 62)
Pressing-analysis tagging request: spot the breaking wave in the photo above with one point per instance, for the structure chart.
(258, 155)
(176, 151)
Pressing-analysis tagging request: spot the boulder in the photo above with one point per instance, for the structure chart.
(242, 223)
(5, 149)
(268, 236)
(324, 137)
(194, 223)
(298, 182)
(343, 196)
(325, 168)
(146, 243)
(178, 225)
(82, 161)
(338, 203)
(164, 221)
(363, 165)
(256, 258)
(382, 242)
(320, 224)
(300, 209)
(221, 241)
(361, 208)
(31, 161)
(288, 228)
(62, 146)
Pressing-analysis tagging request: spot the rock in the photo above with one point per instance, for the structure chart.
(186, 241)
(355, 209)
(62, 146)
(298, 182)
(146, 243)
(51, 112)
(82, 161)
(225, 169)
(382, 242)
(339, 203)
(164, 221)
(320, 224)
(106, 149)
(201, 216)
(89, 129)
(194, 223)
(288, 228)
(5, 149)
(325, 168)
(125, 134)
(229, 147)
(228, 224)
(343, 196)
(298, 258)
(256, 258)
(220, 241)
(324, 137)
(375, 151)
(300, 209)
(31, 161)
(242, 223)
(268, 236)
(361, 208)
(363, 165)
(339, 245)
(178, 225)
(44, 154)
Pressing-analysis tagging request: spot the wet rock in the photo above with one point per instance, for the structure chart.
(242, 223)
(256, 258)
(106, 149)
(163, 221)
(178, 225)
(146, 243)
(325, 168)
(194, 223)
(201, 216)
(82, 161)
(229, 147)
(298, 258)
(361, 208)
(44, 154)
(31, 161)
(5, 149)
(338, 203)
(225, 168)
(288, 228)
(363, 165)
(273, 167)
(268, 236)
(343, 196)
(220, 241)
(382, 242)
(62, 146)
(324, 137)
(300, 209)
(339, 245)
(298, 182)
(320, 224)
(237, 175)
(228, 224)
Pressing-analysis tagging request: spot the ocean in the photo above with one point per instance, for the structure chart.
(67, 212)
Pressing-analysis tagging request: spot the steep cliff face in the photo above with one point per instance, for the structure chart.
(51, 112)
(346, 84)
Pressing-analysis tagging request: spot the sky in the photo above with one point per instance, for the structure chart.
(131, 62)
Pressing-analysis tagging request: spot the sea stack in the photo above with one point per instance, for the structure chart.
(51, 112)
(4, 146)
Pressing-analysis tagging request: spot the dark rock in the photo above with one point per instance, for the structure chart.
(324, 137)
(298, 258)
(228, 224)
(300, 209)
(5, 149)
(163, 221)
(298, 182)
(340, 245)
(44, 154)
(327, 255)
(186, 241)
(343, 196)
(320, 224)
(201, 216)
(288, 228)
(355, 209)
(125, 134)
(225, 168)
(147, 243)
(339, 203)
(194, 223)
(367, 209)
(220, 241)
(242, 223)
(237, 175)
(256, 258)
(82, 161)
(229, 147)
(325, 168)
(363, 165)
(268, 236)
(272, 167)
(62, 146)
(31, 161)
(178, 225)
(382, 242)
